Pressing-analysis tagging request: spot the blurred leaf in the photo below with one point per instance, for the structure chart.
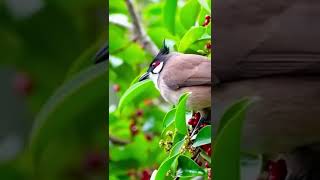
(191, 36)
(176, 148)
(165, 167)
(189, 13)
(227, 142)
(205, 5)
(85, 60)
(169, 14)
(180, 116)
(136, 150)
(134, 91)
(67, 103)
(120, 20)
(188, 168)
(236, 108)
(203, 136)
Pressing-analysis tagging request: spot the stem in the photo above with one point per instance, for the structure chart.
(140, 31)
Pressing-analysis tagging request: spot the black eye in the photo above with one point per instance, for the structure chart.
(155, 64)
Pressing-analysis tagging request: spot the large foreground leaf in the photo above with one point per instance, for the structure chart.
(84, 91)
(226, 151)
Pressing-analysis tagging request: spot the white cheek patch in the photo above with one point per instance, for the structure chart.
(154, 78)
(158, 68)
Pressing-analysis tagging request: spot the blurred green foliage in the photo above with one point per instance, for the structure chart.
(55, 45)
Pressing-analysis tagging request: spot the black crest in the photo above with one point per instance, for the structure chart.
(163, 51)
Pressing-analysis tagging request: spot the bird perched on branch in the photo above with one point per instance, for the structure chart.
(174, 74)
(271, 50)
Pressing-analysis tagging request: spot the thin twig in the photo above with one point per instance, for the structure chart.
(140, 32)
(117, 141)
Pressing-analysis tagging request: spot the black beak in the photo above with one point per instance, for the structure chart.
(102, 55)
(144, 76)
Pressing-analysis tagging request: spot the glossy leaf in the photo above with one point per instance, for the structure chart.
(188, 168)
(192, 35)
(134, 91)
(226, 151)
(165, 167)
(189, 13)
(169, 118)
(205, 5)
(203, 136)
(169, 14)
(231, 111)
(180, 116)
(176, 148)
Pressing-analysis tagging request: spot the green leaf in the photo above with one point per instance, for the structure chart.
(169, 118)
(85, 59)
(180, 116)
(169, 14)
(188, 168)
(205, 5)
(229, 114)
(226, 155)
(189, 13)
(176, 148)
(165, 167)
(203, 136)
(67, 104)
(134, 91)
(191, 36)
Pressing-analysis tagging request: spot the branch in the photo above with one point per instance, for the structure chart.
(117, 141)
(140, 32)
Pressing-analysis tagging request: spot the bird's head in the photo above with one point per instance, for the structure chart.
(156, 65)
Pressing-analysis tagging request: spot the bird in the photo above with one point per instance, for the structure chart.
(271, 51)
(174, 74)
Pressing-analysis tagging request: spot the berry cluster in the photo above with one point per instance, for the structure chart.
(194, 119)
(167, 144)
(207, 21)
(133, 128)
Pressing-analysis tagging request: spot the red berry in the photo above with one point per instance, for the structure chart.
(206, 147)
(134, 130)
(95, 161)
(191, 121)
(206, 164)
(116, 88)
(148, 137)
(22, 84)
(208, 17)
(208, 46)
(139, 112)
(277, 170)
(197, 116)
(199, 162)
(145, 175)
(209, 173)
(209, 151)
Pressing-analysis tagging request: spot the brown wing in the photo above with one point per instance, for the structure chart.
(185, 70)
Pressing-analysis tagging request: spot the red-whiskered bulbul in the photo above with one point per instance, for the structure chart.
(175, 73)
